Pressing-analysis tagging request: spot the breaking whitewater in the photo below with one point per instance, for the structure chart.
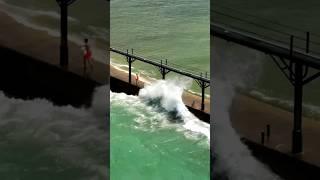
(154, 136)
(39, 140)
(232, 159)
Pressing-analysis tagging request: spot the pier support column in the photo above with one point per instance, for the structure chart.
(130, 63)
(163, 70)
(203, 85)
(297, 130)
(163, 74)
(64, 56)
(202, 98)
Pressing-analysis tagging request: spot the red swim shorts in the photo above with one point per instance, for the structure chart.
(88, 55)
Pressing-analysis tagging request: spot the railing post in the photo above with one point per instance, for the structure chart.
(297, 131)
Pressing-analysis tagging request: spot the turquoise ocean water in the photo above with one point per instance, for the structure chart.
(174, 30)
(154, 136)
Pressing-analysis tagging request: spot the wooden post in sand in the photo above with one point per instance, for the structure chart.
(64, 54)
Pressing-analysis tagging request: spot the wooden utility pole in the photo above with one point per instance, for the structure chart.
(64, 54)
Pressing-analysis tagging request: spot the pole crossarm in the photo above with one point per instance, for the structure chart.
(163, 70)
(129, 58)
(311, 78)
(202, 84)
(161, 65)
(287, 68)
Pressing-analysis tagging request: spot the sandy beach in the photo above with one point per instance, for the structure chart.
(250, 117)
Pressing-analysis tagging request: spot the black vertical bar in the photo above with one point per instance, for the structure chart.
(202, 99)
(129, 61)
(291, 45)
(64, 34)
(297, 131)
(163, 72)
(307, 42)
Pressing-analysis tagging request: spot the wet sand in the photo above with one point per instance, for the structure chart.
(250, 117)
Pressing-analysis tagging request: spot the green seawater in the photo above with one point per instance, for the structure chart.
(145, 145)
(174, 30)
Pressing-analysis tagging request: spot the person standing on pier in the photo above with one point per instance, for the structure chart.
(87, 56)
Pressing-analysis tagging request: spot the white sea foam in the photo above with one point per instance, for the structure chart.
(160, 99)
(309, 110)
(234, 67)
(77, 136)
